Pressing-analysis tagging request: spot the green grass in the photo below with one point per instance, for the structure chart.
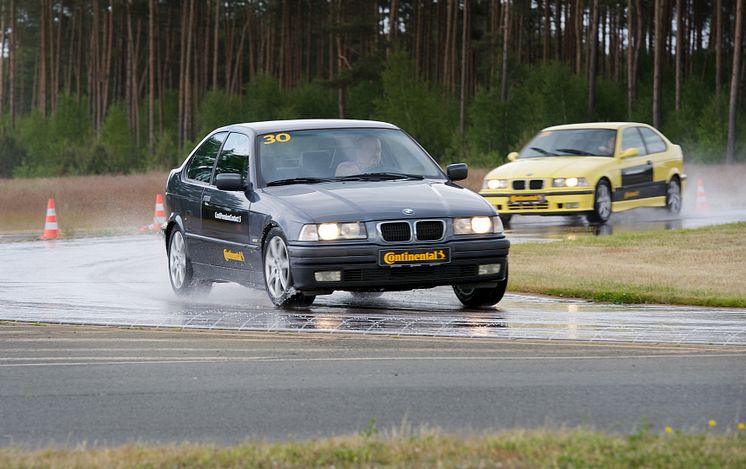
(704, 266)
(576, 449)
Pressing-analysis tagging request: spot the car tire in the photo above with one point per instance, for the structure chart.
(480, 297)
(278, 280)
(601, 203)
(673, 196)
(505, 218)
(180, 272)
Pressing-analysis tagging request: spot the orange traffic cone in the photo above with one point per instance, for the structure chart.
(701, 200)
(159, 217)
(51, 229)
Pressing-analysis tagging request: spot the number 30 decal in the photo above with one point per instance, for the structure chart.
(270, 139)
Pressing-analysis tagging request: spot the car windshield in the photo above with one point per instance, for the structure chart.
(577, 142)
(314, 156)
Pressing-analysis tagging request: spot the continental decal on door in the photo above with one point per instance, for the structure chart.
(631, 194)
(229, 255)
(227, 217)
(415, 257)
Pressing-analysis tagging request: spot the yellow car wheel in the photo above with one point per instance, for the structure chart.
(601, 203)
(673, 196)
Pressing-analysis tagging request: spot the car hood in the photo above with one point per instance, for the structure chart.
(378, 200)
(553, 166)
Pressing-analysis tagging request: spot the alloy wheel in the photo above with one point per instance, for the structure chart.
(674, 196)
(177, 260)
(603, 201)
(277, 267)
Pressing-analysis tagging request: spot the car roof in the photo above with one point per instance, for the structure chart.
(596, 125)
(308, 124)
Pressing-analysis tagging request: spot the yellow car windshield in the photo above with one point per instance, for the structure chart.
(575, 142)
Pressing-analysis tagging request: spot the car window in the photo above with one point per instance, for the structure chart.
(234, 157)
(571, 142)
(200, 168)
(654, 143)
(631, 139)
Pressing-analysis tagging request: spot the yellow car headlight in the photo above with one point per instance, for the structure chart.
(333, 231)
(569, 182)
(494, 184)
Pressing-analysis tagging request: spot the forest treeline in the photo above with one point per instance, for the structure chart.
(115, 86)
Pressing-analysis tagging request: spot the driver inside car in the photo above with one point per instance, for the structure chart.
(367, 156)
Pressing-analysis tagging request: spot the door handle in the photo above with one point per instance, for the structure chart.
(206, 198)
(650, 163)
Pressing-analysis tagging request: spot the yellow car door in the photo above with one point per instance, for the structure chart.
(636, 172)
(658, 152)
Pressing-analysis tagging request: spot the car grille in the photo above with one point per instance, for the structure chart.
(534, 184)
(396, 231)
(419, 273)
(430, 230)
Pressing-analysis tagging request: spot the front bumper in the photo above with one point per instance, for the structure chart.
(550, 202)
(358, 264)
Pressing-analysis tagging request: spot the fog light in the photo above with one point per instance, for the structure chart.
(489, 269)
(328, 276)
(572, 205)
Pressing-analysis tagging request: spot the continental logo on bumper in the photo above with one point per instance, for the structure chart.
(433, 256)
(229, 255)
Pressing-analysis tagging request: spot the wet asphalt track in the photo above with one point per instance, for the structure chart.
(237, 368)
(123, 281)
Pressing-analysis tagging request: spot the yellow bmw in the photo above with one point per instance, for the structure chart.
(590, 169)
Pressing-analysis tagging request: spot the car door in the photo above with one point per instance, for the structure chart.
(225, 214)
(196, 178)
(657, 150)
(636, 171)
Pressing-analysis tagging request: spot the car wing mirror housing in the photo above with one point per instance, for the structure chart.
(457, 171)
(229, 182)
(628, 153)
(512, 156)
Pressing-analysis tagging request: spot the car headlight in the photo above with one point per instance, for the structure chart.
(495, 184)
(333, 231)
(569, 182)
(477, 225)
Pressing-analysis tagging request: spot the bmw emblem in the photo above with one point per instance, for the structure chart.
(408, 211)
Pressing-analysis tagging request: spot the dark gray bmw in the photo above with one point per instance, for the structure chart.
(306, 207)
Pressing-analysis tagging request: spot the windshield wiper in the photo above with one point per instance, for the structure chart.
(377, 176)
(573, 151)
(541, 150)
(302, 180)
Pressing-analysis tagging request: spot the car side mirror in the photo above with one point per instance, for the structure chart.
(457, 171)
(512, 156)
(229, 182)
(629, 152)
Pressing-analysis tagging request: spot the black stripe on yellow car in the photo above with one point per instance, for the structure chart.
(643, 191)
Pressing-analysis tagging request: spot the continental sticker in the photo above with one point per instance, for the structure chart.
(631, 194)
(229, 255)
(415, 257)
